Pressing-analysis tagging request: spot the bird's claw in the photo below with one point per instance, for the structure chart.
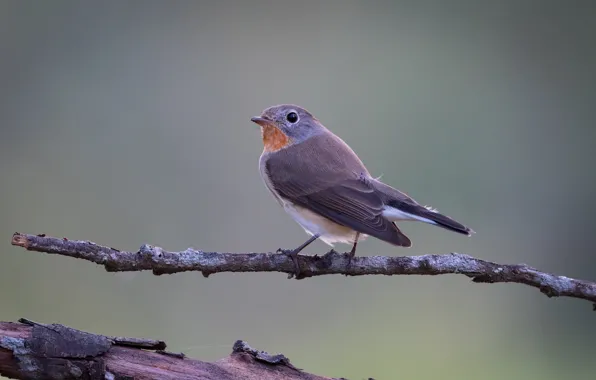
(294, 257)
(351, 256)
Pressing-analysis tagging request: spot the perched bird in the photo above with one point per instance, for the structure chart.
(319, 180)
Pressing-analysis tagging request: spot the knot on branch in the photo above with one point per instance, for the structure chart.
(262, 356)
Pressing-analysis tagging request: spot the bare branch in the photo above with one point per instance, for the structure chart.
(163, 262)
(30, 350)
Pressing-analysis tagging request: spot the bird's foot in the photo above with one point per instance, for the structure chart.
(351, 256)
(293, 254)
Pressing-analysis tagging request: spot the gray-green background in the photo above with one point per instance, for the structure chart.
(128, 122)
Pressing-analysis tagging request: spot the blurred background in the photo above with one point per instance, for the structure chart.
(127, 123)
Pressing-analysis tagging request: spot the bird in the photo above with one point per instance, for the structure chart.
(325, 187)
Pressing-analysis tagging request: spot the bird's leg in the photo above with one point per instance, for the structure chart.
(293, 253)
(352, 253)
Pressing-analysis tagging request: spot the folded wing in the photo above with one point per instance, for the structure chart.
(333, 186)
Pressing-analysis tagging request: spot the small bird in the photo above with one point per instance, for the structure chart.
(323, 185)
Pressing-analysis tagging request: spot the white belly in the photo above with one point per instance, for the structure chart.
(315, 224)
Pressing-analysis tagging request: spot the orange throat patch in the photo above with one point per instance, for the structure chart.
(273, 138)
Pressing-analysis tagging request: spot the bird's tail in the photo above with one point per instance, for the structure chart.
(399, 206)
(445, 222)
(397, 210)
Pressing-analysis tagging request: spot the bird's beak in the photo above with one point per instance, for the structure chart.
(261, 121)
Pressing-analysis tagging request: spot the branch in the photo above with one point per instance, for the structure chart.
(30, 350)
(163, 262)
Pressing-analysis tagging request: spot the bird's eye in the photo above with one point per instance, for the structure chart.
(292, 117)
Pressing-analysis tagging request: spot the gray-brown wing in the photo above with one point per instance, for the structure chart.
(334, 190)
(352, 204)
